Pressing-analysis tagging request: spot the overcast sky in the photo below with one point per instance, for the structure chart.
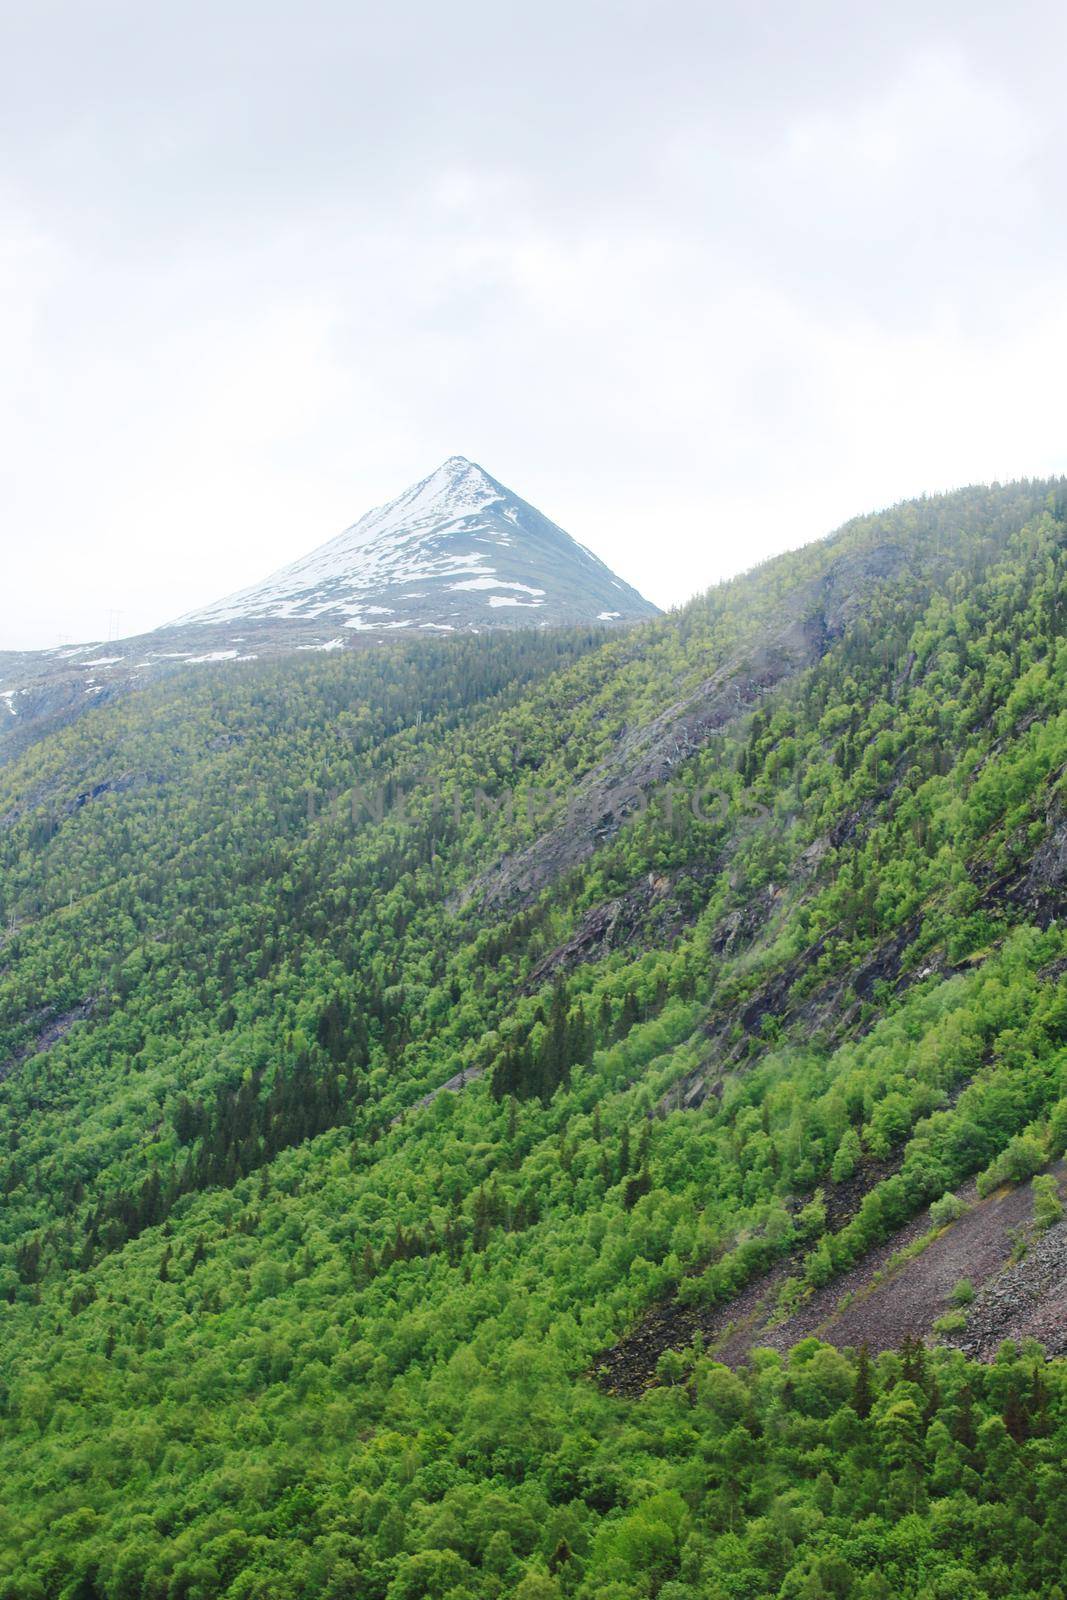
(700, 280)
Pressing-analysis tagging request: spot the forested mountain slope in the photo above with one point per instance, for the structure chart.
(737, 939)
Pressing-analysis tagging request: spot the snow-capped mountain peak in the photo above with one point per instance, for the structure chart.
(456, 552)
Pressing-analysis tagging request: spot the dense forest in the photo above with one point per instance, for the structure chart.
(736, 940)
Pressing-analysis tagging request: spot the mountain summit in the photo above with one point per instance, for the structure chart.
(457, 552)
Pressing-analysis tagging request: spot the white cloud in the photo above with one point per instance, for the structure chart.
(937, 119)
(700, 290)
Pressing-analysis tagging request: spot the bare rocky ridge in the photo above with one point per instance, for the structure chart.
(883, 1299)
(644, 758)
(805, 626)
(454, 1085)
(647, 913)
(51, 1029)
(1027, 1300)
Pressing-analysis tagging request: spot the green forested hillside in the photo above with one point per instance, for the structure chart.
(737, 939)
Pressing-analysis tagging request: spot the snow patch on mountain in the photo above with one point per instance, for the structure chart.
(493, 583)
(469, 544)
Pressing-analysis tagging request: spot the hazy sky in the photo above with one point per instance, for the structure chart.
(700, 280)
